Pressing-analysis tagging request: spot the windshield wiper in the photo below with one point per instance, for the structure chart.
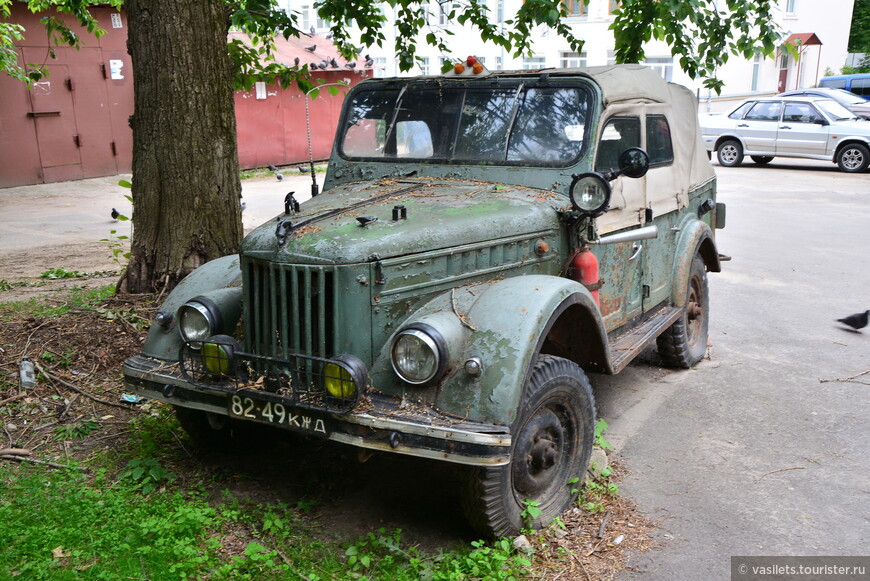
(395, 115)
(513, 119)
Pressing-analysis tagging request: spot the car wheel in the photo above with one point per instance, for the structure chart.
(730, 153)
(853, 158)
(552, 444)
(761, 159)
(208, 430)
(684, 343)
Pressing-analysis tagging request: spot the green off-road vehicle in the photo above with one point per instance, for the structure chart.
(482, 242)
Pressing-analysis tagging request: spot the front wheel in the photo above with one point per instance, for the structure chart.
(551, 447)
(853, 158)
(685, 342)
(761, 159)
(730, 153)
(209, 431)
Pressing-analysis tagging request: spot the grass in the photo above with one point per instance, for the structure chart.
(130, 517)
(76, 299)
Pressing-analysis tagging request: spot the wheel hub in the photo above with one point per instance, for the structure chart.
(539, 448)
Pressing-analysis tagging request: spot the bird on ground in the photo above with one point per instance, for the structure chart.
(280, 176)
(312, 65)
(329, 36)
(272, 167)
(311, 48)
(351, 65)
(856, 321)
(333, 63)
(323, 64)
(244, 205)
(312, 31)
(369, 62)
(302, 169)
(115, 214)
(296, 61)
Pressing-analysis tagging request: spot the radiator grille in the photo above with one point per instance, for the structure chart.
(290, 309)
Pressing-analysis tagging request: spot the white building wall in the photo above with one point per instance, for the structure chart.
(830, 20)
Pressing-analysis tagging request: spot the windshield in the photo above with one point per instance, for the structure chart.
(519, 124)
(844, 96)
(834, 110)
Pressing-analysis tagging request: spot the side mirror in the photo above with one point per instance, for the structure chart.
(820, 121)
(633, 162)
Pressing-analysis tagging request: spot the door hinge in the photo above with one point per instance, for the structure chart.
(646, 291)
(78, 140)
(103, 69)
(69, 84)
(114, 149)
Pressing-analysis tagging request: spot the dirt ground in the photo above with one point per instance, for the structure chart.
(79, 355)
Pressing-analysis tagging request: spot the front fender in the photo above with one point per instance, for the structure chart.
(163, 341)
(505, 323)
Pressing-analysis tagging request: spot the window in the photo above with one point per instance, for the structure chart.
(444, 10)
(572, 60)
(614, 6)
(576, 7)
(619, 134)
(799, 113)
(764, 111)
(741, 110)
(663, 65)
(534, 62)
(380, 66)
(611, 58)
(306, 18)
(658, 140)
(756, 65)
(498, 63)
(424, 66)
(544, 126)
(321, 23)
(861, 87)
(499, 11)
(790, 6)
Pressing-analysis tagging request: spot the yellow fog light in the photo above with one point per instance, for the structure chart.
(217, 354)
(344, 377)
(339, 382)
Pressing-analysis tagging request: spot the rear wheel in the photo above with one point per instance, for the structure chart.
(761, 159)
(730, 153)
(685, 342)
(552, 443)
(853, 158)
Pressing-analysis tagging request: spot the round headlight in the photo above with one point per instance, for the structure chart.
(198, 319)
(590, 194)
(418, 354)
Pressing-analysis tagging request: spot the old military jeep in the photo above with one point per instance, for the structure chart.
(483, 241)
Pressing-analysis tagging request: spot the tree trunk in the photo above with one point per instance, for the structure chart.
(186, 188)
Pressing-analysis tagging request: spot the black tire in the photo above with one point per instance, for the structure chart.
(853, 158)
(552, 444)
(761, 159)
(730, 153)
(211, 431)
(684, 343)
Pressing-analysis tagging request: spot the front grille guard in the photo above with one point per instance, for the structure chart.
(300, 379)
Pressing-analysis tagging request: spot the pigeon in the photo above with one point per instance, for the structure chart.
(333, 63)
(311, 48)
(312, 65)
(323, 64)
(296, 61)
(856, 321)
(350, 65)
(312, 30)
(369, 62)
(280, 176)
(116, 213)
(329, 36)
(244, 205)
(302, 169)
(272, 167)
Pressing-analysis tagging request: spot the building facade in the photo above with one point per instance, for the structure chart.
(828, 21)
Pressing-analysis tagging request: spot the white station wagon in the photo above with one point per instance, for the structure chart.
(806, 127)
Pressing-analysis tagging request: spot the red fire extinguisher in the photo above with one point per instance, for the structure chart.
(585, 267)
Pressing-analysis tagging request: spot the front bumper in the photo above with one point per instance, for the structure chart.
(379, 424)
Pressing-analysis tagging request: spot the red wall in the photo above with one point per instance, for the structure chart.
(73, 123)
(273, 130)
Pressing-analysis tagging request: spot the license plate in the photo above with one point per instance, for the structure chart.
(255, 409)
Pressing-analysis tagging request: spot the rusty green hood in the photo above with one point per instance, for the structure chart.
(438, 214)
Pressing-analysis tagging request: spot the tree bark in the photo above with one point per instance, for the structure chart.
(186, 189)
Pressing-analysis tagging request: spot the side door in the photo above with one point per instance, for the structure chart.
(803, 131)
(620, 265)
(759, 127)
